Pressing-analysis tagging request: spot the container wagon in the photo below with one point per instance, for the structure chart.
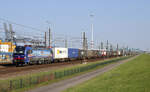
(82, 54)
(92, 54)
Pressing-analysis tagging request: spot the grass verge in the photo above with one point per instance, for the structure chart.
(133, 76)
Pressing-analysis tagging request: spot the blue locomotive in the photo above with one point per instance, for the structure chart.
(28, 55)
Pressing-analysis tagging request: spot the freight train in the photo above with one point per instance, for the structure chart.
(27, 54)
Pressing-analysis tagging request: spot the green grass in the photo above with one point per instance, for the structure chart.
(33, 78)
(133, 76)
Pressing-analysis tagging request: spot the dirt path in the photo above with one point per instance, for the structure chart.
(62, 85)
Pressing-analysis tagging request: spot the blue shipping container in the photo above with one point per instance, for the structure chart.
(73, 53)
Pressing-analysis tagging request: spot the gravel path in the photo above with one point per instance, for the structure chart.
(62, 85)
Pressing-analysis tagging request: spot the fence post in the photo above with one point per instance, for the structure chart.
(67, 72)
(37, 81)
(64, 73)
(21, 83)
(30, 79)
(76, 70)
(49, 77)
(43, 78)
(59, 75)
(73, 71)
(11, 84)
(79, 70)
(56, 75)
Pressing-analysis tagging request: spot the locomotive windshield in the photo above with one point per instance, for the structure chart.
(19, 50)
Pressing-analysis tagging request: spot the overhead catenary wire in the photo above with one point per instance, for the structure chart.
(25, 26)
(20, 25)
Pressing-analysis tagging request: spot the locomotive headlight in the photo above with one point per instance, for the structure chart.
(82, 53)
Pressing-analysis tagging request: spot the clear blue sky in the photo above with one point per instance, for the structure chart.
(126, 22)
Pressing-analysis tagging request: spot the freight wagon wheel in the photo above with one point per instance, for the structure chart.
(37, 62)
(49, 61)
(44, 61)
(69, 60)
(17, 64)
(40, 62)
(30, 63)
(22, 64)
(58, 61)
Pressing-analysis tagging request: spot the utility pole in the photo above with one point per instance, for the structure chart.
(49, 37)
(84, 46)
(127, 50)
(6, 32)
(117, 47)
(84, 41)
(111, 50)
(45, 40)
(66, 43)
(99, 47)
(11, 33)
(102, 46)
(92, 30)
(107, 45)
(117, 50)
(107, 48)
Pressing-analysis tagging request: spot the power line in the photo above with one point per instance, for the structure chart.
(25, 26)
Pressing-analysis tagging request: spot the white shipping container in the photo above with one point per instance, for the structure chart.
(60, 53)
(4, 48)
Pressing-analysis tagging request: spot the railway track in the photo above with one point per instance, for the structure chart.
(9, 70)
